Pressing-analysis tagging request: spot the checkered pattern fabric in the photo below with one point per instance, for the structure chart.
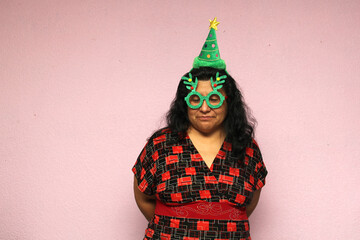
(174, 171)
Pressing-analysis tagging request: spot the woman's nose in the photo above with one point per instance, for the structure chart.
(204, 107)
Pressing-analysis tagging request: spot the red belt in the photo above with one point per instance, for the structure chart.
(202, 210)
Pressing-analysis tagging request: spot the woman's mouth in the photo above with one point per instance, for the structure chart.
(205, 118)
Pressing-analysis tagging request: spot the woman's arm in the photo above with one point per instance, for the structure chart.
(250, 208)
(145, 202)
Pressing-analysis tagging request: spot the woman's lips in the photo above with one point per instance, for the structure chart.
(205, 118)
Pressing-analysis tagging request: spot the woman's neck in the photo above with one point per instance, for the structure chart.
(216, 135)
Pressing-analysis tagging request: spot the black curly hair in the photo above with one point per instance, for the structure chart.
(239, 124)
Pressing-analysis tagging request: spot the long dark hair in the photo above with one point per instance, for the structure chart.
(239, 124)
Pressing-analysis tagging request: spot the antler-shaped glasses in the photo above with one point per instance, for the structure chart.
(214, 99)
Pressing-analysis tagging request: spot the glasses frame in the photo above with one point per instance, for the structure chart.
(206, 98)
(215, 84)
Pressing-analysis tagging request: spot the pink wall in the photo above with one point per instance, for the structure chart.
(83, 83)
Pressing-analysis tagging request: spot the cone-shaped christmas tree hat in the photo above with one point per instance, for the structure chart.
(210, 55)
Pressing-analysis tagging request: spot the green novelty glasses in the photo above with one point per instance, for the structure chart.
(195, 100)
(214, 99)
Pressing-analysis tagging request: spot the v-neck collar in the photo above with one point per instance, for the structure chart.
(216, 159)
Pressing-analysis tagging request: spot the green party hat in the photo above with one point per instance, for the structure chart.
(210, 55)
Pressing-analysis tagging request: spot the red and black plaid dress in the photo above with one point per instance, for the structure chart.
(174, 171)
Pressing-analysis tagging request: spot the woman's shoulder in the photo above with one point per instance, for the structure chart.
(160, 132)
(252, 143)
(252, 148)
(163, 135)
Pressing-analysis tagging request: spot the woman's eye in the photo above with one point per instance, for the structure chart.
(214, 99)
(194, 99)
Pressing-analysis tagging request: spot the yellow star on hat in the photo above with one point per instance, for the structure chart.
(213, 24)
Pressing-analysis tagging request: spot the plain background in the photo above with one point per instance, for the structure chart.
(84, 83)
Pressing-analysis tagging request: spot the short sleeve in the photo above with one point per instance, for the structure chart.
(144, 170)
(260, 171)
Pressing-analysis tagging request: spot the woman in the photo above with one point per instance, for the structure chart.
(201, 176)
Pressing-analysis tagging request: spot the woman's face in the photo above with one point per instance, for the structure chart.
(205, 119)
